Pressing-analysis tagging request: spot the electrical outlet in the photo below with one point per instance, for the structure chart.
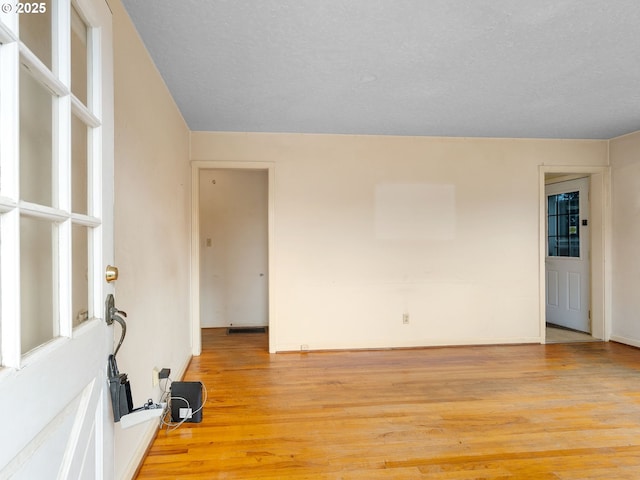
(304, 348)
(405, 318)
(155, 377)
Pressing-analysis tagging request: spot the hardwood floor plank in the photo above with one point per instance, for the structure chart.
(562, 411)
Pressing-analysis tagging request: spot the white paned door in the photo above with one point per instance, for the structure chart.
(567, 261)
(56, 239)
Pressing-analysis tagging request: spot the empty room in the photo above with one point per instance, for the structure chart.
(384, 239)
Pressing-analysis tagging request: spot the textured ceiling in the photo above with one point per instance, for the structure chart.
(481, 68)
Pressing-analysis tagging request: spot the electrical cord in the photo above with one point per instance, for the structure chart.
(150, 405)
(166, 397)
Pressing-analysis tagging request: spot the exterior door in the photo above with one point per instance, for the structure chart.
(56, 238)
(567, 261)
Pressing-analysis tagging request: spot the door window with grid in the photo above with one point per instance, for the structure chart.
(50, 157)
(563, 224)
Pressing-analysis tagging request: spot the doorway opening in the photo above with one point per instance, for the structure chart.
(232, 229)
(573, 251)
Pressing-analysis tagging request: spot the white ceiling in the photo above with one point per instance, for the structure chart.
(481, 68)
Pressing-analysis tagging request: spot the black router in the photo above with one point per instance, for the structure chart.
(186, 402)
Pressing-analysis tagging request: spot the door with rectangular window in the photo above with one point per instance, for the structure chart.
(56, 238)
(567, 261)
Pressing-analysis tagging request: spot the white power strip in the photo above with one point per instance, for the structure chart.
(139, 416)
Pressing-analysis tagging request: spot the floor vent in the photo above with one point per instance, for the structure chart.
(236, 330)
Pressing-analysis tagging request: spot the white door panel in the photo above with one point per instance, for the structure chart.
(575, 289)
(53, 407)
(553, 293)
(567, 262)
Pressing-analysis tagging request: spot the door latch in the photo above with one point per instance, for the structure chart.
(111, 314)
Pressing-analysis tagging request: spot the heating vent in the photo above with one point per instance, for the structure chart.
(236, 330)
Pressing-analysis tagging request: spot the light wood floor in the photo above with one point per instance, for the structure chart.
(563, 411)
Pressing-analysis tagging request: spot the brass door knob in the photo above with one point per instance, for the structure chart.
(111, 274)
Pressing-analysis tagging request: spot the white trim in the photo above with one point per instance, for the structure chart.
(10, 288)
(81, 111)
(8, 28)
(626, 340)
(42, 211)
(85, 220)
(196, 166)
(61, 36)
(96, 182)
(50, 213)
(9, 189)
(63, 271)
(61, 62)
(81, 429)
(41, 352)
(9, 123)
(416, 343)
(41, 73)
(6, 204)
(600, 260)
(6, 35)
(196, 336)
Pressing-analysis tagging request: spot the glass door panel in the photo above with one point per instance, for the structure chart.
(79, 155)
(35, 28)
(79, 57)
(80, 274)
(36, 282)
(36, 141)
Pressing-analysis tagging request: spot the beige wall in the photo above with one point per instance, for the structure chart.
(625, 174)
(152, 185)
(340, 279)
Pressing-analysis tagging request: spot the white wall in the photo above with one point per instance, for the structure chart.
(152, 192)
(625, 174)
(233, 248)
(340, 279)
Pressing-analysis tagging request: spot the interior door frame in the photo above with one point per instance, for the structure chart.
(600, 240)
(196, 167)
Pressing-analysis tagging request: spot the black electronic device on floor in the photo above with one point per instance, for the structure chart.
(186, 402)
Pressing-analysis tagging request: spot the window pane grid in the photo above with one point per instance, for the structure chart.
(563, 229)
(51, 219)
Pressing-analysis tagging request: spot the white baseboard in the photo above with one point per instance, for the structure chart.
(627, 341)
(148, 436)
(383, 345)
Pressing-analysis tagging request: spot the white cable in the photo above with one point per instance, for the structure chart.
(171, 426)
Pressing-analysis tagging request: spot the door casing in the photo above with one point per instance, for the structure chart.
(196, 167)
